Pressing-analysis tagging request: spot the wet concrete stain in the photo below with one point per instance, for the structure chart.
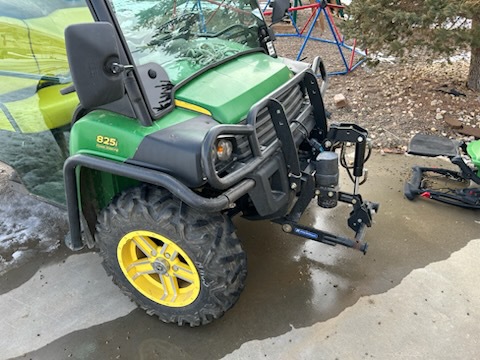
(293, 282)
(48, 306)
(429, 315)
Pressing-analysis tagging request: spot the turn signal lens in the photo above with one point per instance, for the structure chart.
(224, 150)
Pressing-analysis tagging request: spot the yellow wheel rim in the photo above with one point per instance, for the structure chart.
(158, 268)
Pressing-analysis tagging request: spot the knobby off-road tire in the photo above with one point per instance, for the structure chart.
(185, 266)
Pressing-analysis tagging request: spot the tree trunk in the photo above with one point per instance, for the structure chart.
(473, 81)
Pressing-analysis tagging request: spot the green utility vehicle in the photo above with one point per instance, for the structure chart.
(186, 118)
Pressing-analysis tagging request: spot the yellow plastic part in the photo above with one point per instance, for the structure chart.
(31, 49)
(45, 110)
(158, 268)
(188, 106)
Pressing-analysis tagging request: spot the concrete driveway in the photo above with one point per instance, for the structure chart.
(414, 295)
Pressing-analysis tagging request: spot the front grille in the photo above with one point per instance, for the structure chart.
(293, 103)
(255, 139)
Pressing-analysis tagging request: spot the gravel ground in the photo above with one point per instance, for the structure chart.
(393, 100)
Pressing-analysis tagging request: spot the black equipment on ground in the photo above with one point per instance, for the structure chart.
(463, 194)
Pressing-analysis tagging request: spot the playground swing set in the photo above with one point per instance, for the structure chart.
(305, 31)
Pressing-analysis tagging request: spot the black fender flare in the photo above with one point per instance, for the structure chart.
(157, 178)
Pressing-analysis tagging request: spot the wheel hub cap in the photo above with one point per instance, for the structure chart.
(158, 268)
(161, 266)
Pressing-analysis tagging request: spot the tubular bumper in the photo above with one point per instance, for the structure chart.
(145, 175)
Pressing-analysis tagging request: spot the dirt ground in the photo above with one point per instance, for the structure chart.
(393, 100)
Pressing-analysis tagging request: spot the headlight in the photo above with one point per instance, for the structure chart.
(224, 150)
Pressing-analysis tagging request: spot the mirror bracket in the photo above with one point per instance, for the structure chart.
(117, 68)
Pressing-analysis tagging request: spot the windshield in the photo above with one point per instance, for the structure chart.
(34, 116)
(185, 36)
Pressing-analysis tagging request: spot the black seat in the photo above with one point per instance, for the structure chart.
(431, 145)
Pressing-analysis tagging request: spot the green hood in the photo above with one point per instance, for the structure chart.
(229, 90)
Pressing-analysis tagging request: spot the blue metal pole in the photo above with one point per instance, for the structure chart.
(337, 41)
(307, 37)
(202, 17)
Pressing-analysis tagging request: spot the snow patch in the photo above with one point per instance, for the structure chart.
(28, 226)
(463, 56)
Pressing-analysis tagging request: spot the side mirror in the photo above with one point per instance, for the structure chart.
(93, 56)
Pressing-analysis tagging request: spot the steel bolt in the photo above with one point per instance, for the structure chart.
(330, 194)
(360, 139)
(317, 192)
(293, 186)
(287, 228)
(161, 266)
